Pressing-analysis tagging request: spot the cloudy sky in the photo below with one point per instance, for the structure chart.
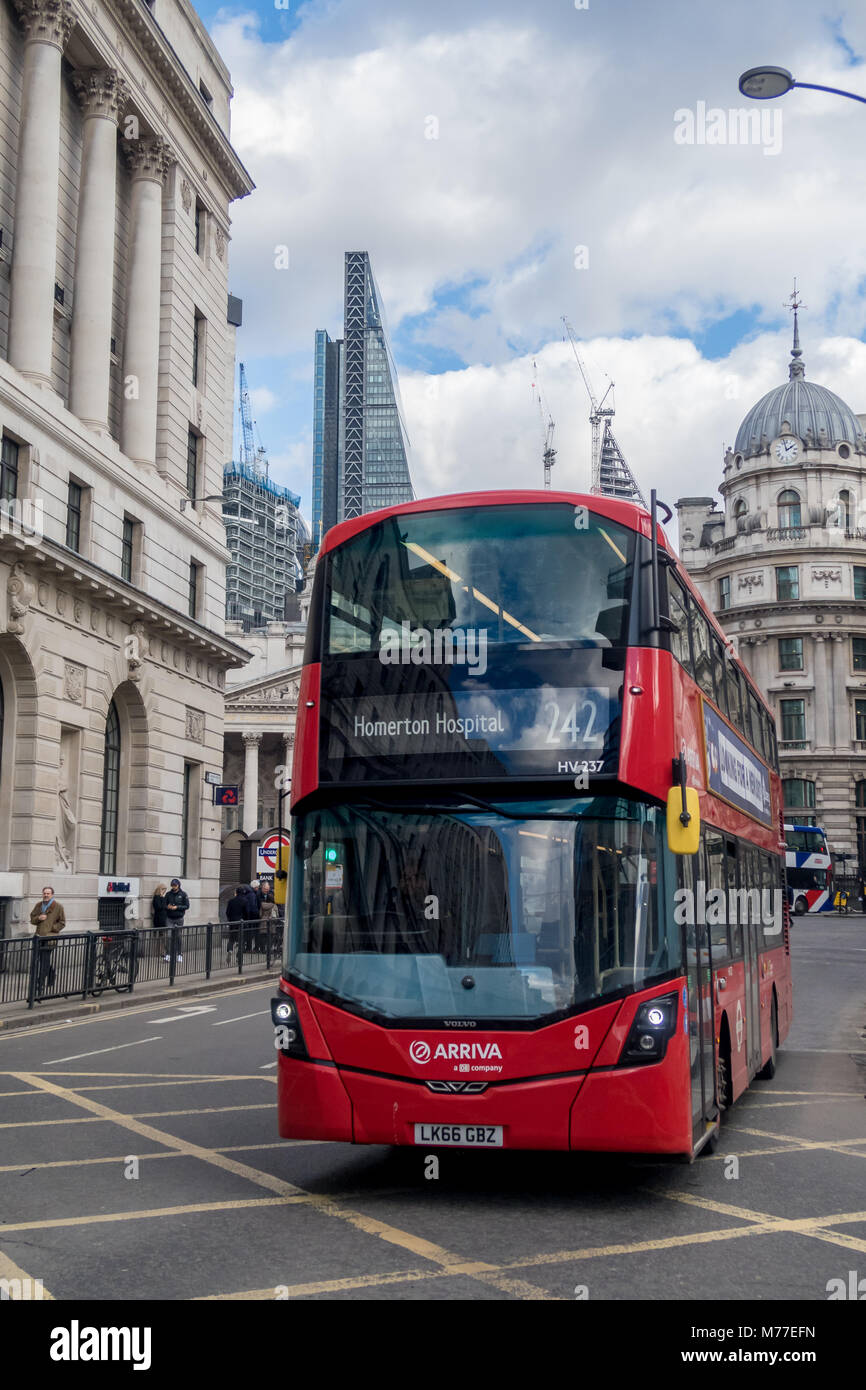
(505, 164)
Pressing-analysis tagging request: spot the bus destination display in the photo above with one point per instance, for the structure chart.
(543, 731)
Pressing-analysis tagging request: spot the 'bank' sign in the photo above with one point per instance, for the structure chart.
(734, 772)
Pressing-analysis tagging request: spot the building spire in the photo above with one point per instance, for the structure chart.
(795, 368)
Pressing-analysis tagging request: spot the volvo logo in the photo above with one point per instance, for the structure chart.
(466, 1088)
(420, 1051)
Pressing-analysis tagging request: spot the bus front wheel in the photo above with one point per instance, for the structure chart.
(800, 906)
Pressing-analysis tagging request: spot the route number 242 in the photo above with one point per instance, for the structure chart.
(575, 726)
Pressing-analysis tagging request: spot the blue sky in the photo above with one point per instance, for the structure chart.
(505, 165)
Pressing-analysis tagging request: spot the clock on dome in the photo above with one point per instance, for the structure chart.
(787, 449)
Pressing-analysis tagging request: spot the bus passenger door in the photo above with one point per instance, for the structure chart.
(752, 964)
(750, 878)
(700, 1006)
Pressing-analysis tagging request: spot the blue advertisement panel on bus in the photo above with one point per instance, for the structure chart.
(734, 772)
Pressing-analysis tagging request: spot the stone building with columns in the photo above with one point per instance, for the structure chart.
(116, 389)
(783, 566)
(260, 715)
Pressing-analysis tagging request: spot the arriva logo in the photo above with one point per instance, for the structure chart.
(453, 1052)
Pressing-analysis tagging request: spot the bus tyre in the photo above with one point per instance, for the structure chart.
(801, 907)
(723, 1071)
(768, 1071)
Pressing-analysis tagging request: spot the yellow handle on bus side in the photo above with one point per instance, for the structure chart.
(683, 839)
(281, 884)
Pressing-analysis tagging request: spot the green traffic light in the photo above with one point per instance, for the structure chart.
(332, 854)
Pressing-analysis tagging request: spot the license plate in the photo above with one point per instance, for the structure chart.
(466, 1136)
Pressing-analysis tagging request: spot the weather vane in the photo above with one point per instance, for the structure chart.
(793, 302)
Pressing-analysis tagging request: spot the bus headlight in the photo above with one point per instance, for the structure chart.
(288, 1037)
(654, 1023)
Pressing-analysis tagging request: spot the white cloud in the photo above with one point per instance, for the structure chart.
(676, 412)
(262, 399)
(555, 130)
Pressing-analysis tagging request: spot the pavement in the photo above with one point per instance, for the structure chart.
(17, 1015)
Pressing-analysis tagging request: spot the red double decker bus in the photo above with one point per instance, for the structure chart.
(537, 881)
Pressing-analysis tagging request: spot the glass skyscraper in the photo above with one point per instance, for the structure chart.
(360, 443)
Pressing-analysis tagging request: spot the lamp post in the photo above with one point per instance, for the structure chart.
(191, 501)
(766, 83)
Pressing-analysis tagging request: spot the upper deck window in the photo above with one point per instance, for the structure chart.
(525, 575)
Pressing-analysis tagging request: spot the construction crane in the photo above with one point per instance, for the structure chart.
(611, 475)
(254, 457)
(548, 425)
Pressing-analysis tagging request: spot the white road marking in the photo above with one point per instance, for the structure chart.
(187, 1011)
(267, 1065)
(240, 1018)
(99, 1050)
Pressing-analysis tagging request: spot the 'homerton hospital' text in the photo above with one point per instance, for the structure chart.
(443, 724)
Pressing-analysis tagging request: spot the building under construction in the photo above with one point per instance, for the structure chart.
(265, 533)
(611, 475)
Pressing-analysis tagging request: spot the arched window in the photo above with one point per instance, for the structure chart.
(740, 508)
(843, 515)
(110, 793)
(789, 508)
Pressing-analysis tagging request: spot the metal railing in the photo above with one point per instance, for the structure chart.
(34, 969)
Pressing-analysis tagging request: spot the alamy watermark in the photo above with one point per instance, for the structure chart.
(715, 126)
(23, 518)
(441, 646)
(717, 907)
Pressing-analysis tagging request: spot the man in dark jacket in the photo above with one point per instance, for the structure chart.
(176, 904)
(236, 915)
(251, 899)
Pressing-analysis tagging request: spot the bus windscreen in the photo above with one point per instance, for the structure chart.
(464, 912)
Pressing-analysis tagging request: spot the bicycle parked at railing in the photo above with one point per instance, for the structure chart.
(116, 965)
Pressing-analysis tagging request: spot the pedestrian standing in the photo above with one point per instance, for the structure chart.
(159, 916)
(49, 919)
(251, 914)
(267, 913)
(176, 907)
(236, 914)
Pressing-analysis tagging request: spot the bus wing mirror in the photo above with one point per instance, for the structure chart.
(684, 838)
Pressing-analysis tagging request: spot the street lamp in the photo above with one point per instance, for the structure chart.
(191, 501)
(766, 83)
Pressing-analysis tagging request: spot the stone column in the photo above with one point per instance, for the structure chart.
(47, 25)
(102, 93)
(837, 694)
(823, 690)
(251, 782)
(148, 158)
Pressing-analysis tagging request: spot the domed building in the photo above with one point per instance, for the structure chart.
(783, 566)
